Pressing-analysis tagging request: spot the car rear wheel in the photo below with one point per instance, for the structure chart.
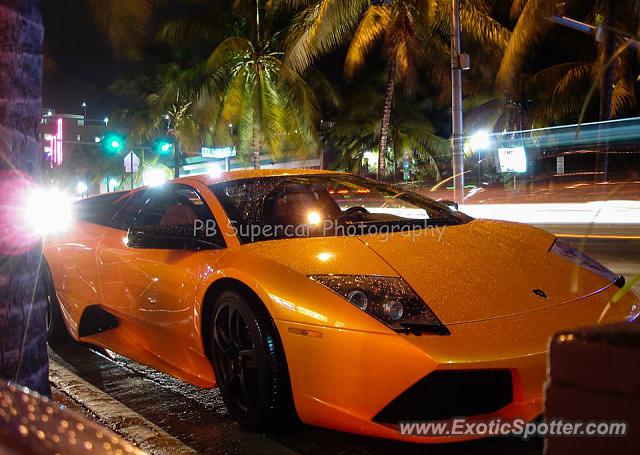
(56, 329)
(249, 363)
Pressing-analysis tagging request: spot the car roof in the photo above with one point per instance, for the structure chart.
(251, 174)
(223, 177)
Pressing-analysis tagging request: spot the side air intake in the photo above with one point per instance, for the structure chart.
(96, 320)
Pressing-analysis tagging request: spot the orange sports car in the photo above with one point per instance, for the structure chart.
(351, 304)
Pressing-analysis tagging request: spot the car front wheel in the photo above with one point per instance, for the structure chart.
(56, 329)
(249, 363)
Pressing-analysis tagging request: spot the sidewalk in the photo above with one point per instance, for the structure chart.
(83, 398)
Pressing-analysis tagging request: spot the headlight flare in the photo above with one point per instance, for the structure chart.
(47, 211)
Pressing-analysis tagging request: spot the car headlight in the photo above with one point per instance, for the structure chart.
(388, 299)
(568, 251)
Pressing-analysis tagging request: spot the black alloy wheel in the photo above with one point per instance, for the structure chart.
(56, 329)
(249, 363)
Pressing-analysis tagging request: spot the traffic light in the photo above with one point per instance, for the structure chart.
(163, 146)
(113, 142)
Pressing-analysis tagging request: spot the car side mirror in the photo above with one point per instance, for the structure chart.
(169, 238)
(451, 204)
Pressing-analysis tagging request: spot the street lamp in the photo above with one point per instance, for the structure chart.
(106, 121)
(480, 140)
(84, 106)
(214, 171)
(154, 177)
(81, 188)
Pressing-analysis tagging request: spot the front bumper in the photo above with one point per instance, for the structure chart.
(345, 380)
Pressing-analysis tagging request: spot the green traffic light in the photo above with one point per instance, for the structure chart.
(113, 142)
(165, 147)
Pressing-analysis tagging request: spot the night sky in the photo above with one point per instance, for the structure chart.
(79, 64)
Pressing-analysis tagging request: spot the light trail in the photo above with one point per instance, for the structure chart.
(599, 236)
(599, 212)
(591, 133)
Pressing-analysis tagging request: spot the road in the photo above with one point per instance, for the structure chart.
(196, 419)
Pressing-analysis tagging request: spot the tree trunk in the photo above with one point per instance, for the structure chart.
(23, 344)
(256, 143)
(386, 113)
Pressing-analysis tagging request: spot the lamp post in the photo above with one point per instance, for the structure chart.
(84, 107)
(227, 160)
(82, 189)
(457, 126)
(176, 147)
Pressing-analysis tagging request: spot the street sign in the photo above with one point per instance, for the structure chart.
(219, 152)
(513, 159)
(131, 162)
(560, 165)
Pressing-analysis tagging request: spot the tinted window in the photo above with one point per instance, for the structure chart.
(325, 205)
(99, 209)
(178, 205)
(131, 206)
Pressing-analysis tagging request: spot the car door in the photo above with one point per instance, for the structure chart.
(155, 289)
(72, 256)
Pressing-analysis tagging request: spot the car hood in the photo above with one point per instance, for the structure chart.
(470, 272)
(485, 269)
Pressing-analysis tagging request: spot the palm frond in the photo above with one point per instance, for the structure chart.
(194, 30)
(516, 9)
(320, 28)
(127, 25)
(531, 26)
(623, 98)
(375, 21)
(567, 83)
(235, 49)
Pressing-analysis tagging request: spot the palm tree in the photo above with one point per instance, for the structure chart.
(23, 307)
(248, 86)
(557, 93)
(411, 31)
(412, 134)
(163, 106)
(211, 82)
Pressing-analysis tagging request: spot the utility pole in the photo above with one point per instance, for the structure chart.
(456, 106)
(607, 48)
(176, 145)
(177, 156)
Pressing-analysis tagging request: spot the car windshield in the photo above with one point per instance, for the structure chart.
(325, 205)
